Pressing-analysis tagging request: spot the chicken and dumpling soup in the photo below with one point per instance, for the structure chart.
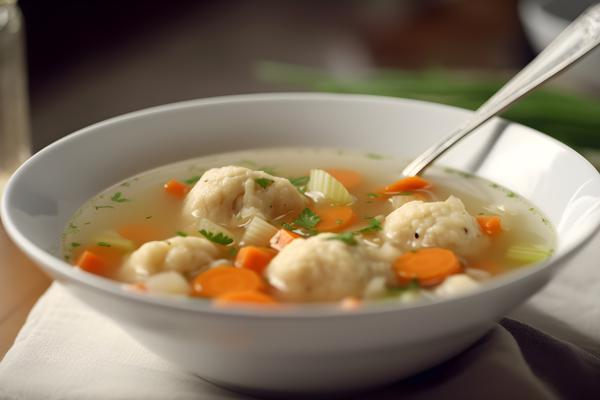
(304, 226)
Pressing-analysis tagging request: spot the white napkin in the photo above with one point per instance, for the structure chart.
(67, 351)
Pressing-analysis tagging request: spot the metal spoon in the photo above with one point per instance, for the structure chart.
(579, 38)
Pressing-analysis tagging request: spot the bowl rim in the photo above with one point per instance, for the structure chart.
(109, 287)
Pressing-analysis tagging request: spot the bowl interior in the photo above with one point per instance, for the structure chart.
(52, 185)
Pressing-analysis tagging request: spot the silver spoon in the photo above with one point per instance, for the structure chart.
(578, 39)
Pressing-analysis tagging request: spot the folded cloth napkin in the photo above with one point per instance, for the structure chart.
(547, 350)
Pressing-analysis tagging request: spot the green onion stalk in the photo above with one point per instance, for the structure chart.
(570, 117)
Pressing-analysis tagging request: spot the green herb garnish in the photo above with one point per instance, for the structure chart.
(264, 182)
(400, 290)
(118, 197)
(99, 207)
(75, 244)
(181, 233)
(511, 194)
(307, 219)
(104, 244)
(374, 195)
(346, 237)
(374, 156)
(149, 216)
(192, 180)
(218, 238)
(374, 226)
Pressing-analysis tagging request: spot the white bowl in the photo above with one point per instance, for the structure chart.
(310, 349)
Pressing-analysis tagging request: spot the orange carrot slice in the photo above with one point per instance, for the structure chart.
(490, 224)
(225, 279)
(347, 177)
(244, 297)
(92, 262)
(335, 219)
(282, 238)
(176, 188)
(254, 258)
(429, 266)
(407, 184)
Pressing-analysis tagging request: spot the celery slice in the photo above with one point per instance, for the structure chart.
(258, 232)
(528, 254)
(332, 190)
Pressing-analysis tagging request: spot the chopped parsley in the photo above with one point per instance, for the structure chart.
(374, 156)
(511, 194)
(149, 216)
(192, 180)
(307, 219)
(305, 223)
(264, 182)
(374, 226)
(374, 195)
(118, 198)
(100, 207)
(218, 238)
(400, 290)
(346, 237)
(103, 244)
(181, 233)
(75, 244)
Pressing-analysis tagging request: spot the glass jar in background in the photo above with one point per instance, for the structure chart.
(14, 124)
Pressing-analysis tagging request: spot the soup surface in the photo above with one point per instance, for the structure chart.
(304, 225)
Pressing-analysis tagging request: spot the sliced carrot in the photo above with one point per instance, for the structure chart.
(91, 262)
(429, 266)
(140, 233)
(347, 177)
(111, 259)
(490, 224)
(176, 188)
(282, 238)
(335, 219)
(221, 280)
(407, 184)
(254, 258)
(244, 297)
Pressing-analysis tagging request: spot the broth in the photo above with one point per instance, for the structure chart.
(141, 204)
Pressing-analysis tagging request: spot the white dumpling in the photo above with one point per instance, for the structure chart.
(447, 224)
(456, 285)
(179, 254)
(231, 195)
(322, 269)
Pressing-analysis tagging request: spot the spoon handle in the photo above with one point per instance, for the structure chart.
(580, 37)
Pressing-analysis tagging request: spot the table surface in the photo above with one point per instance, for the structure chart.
(21, 284)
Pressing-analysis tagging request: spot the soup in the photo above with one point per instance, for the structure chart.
(303, 225)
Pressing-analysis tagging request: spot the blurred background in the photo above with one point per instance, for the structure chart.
(90, 60)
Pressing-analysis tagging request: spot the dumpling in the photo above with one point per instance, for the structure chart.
(323, 269)
(232, 195)
(179, 254)
(445, 224)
